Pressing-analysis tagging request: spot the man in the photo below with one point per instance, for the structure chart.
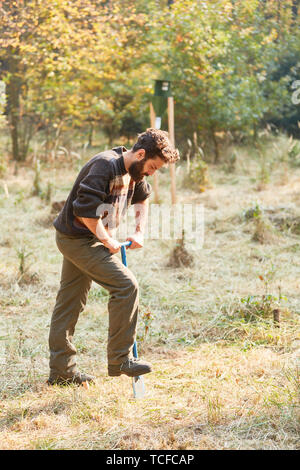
(104, 188)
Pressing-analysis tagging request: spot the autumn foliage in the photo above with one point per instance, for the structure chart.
(72, 67)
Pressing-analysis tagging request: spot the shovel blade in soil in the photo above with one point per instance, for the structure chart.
(138, 387)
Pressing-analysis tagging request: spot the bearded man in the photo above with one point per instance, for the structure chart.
(106, 185)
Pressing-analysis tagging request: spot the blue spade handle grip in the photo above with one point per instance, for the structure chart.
(128, 243)
(123, 251)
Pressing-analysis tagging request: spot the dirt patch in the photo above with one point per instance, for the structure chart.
(264, 231)
(179, 256)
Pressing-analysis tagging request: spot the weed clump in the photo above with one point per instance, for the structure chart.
(255, 307)
(230, 163)
(264, 231)
(198, 177)
(180, 256)
(288, 223)
(36, 185)
(253, 212)
(24, 274)
(294, 153)
(57, 206)
(3, 166)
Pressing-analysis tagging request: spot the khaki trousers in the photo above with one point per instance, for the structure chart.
(86, 260)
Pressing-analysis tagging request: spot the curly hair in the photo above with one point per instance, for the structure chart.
(156, 143)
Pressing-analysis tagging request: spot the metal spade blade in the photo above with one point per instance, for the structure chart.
(138, 384)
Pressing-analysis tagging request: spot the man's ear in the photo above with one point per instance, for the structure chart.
(140, 154)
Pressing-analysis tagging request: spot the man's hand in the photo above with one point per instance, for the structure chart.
(112, 244)
(137, 241)
(97, 228)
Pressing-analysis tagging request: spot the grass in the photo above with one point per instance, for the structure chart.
(225, 375)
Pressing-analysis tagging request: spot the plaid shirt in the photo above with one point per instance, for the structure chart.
(102, 188)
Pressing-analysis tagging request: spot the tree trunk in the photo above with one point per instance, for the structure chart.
(255, 132)
(216, 145)
(13, 90)
(21, 125)
(295, 7)
(91, 132)
(47, 142)
(110, 133)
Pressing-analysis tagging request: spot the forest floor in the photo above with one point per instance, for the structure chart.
(226, 373)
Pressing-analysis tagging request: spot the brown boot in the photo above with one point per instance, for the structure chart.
(131, 367)
(77, 379)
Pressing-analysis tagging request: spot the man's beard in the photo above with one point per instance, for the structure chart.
(136, 171)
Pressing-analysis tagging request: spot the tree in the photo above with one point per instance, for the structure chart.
(42, 50)
(218, 55)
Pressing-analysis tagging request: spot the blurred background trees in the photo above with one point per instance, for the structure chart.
(73, 69)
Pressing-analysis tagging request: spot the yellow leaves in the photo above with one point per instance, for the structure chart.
(271, 37)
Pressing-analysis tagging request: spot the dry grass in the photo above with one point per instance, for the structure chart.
(220, 380)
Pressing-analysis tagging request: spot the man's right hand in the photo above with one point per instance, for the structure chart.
(112, 244)
(97, 228)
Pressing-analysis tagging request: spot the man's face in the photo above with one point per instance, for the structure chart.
(141, 168)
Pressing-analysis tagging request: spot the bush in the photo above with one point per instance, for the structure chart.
(198, 178)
